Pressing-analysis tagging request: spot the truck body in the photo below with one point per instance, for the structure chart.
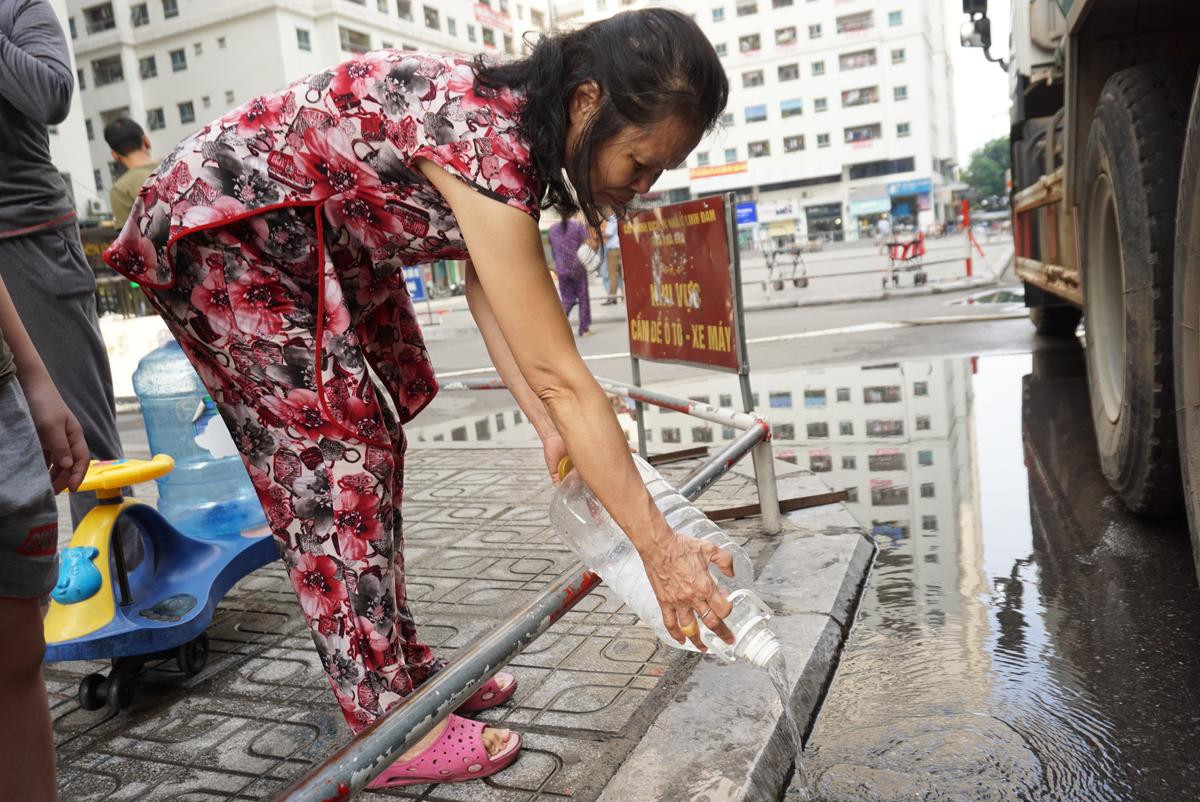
(1105, 148)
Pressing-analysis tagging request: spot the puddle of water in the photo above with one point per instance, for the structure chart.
(1021, 636)
(1012, 296)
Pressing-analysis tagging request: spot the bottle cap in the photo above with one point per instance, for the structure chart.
(565, 466)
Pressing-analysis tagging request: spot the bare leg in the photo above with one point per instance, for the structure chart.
(26, 743)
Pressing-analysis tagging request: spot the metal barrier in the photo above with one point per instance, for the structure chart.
(378, 745)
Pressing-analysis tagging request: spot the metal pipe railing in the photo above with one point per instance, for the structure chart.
(378, 745)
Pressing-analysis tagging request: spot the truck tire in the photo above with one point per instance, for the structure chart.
(1187, 326)
(1129, 189)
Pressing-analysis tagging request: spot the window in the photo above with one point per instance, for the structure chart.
(702, 434)
(458, 433)
(820, 104)
(537, 18)
(853, 23)
(71, 26)
(900, 93)
(489, 37)
(860, 97)
(852, 495)
(745, 9)
(903, 130)
(784, 431)
(887, 462)
(187, 112)
(814, 399)
(898, 55)
(139, 14)
(781, 400)
(107, 71)
(929, 523)
(789, 72)
(756, 114)
(228, 97)
(881, 395)
(99, 18)
(727, 119)
(220, 42)
(814, 31)
(759, 149)
(470, 32)
(452, 26)
(843, 394)
(895, 18)
(670, 436)
(782, 3)
(517, 418)
(785, 36)
(728, 432)
(170, 8)
(889, 496)
(702, 159)
(884, 167)
(99, 180)
(432, 18)
(925, 458)
(178, 60)
(483, 429)
(752, 78)
(920, 388)
(927, 490)
(147, 67)
(353, 41)
(404, 9)
(822, 140)
(857, 60)
(923, 423)
(731, 154)
(155, 119)
(382, 5)
(817, 430)
(818, 68)
(750, 43)
(885, 428)
(722, 50)
(791, 108)
(91, 131)
(820, 463)
(205, 101)
(718, 14)
(198, 47)
(304, 40)
(725, 400)
(849, 463)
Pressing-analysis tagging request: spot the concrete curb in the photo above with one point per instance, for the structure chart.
(737, 746)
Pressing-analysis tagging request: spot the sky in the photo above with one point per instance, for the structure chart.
(980, 87)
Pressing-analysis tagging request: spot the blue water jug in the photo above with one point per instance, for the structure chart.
(209, 493)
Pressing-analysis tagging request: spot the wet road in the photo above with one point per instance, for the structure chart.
(1040, 645)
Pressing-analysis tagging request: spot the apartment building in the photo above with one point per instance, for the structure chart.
(840, 112)
(174, 65)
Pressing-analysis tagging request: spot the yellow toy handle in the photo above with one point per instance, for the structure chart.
(107, 477)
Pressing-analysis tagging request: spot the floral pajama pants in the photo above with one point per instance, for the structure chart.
(281, 332)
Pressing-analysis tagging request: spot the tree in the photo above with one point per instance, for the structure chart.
(985, 174)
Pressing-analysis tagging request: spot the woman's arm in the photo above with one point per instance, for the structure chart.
(506, 366)
(506, 252)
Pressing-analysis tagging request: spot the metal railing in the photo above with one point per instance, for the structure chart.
(377, 746)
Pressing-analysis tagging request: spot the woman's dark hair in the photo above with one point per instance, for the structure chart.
(650, 65)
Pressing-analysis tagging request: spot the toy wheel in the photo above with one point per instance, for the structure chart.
(119, 690)
(192, 656)
(91, 692)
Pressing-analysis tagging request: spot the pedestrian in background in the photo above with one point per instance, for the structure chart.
(612, 259)
(41, 258)
(131, 149)
(566, 238)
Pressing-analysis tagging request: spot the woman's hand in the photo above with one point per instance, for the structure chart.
(678, 572)
(554, 449)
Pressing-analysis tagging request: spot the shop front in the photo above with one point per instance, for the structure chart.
(781, 221)
(825, 222)
(912, 204)
(868, 205)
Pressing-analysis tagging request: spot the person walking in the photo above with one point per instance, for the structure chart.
(41, 257)
(566, 237)
(131, 149)
(614, 277)
(272, 240)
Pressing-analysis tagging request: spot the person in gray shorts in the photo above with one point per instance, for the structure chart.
(42, 452)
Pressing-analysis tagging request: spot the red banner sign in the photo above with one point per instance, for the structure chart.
(488, 16)
(679, 285)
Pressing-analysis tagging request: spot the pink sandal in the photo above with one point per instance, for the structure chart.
(490, 694)
(457, 755)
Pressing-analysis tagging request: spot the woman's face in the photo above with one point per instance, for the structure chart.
(629, 163)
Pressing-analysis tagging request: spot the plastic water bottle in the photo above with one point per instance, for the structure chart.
(583, 523)
(209, 493)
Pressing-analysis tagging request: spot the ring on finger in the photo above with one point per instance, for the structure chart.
(704, 614)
